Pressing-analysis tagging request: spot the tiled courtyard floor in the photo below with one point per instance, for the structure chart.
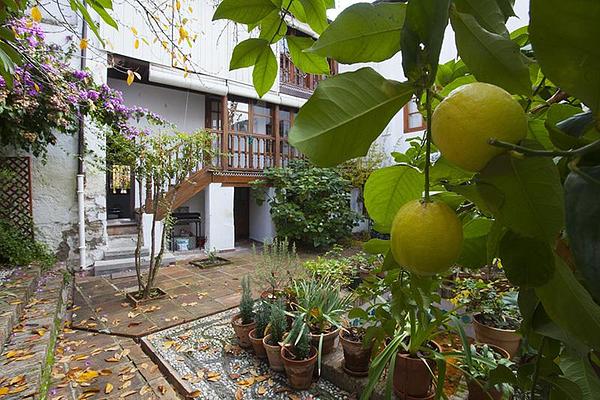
(100, 304)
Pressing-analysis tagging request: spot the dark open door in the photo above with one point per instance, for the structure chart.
(120, 198)
(241, 212)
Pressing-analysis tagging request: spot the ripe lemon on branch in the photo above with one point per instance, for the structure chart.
(426, 237)
(472, 114)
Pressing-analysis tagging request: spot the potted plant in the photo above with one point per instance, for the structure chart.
(480, 362)
(320, 306)
(299, 361)
(277, 266)
(256, 335)
(275, 330)
(243, 322)
(357, 353)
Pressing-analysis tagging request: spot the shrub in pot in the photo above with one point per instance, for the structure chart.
(274, 335)
(299, 360)
(357, 353)
(496, 315)
(277, 265)
(256, 335)
(243, 322)
(482, 365)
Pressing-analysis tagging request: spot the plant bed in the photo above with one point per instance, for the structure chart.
(204, 263)
(135, 299)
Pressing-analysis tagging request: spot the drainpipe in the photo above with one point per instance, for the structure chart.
(80, 164)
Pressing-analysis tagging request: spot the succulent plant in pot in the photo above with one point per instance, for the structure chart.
(320, 306)
(256, 335)
(299, 359)
(274, 333)
(243, 322)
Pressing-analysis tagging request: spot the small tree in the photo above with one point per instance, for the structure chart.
(161, 163)
(278, 322)
(263, 314)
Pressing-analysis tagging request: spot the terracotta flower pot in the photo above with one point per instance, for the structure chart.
(299, 372)
(356, 357)
(507, 339)
(477, 387)
(273, 354)
(328, 341)
(242, 330)
(257, 344)
(412, 376)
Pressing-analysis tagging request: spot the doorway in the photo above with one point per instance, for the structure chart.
(241, 213)
(120, 196)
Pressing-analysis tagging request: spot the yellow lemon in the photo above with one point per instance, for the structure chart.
(426, 238)
(472, 114)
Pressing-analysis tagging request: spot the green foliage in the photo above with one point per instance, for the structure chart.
(310, 205)
(388, 189)
(310, 63)
(278, 265)
(339, 122)
(358, 170)
(491, 57)
(18, 249)
(262, 317)
(340, 270)
(265, 71)
(244, 11)
(363, 32)
(278, 322)
(246, 302)
(246, 53)
(568, 55)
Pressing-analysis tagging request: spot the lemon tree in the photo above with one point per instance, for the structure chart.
(516, 121)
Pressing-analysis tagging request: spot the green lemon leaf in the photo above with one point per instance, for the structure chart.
(316, 14)
(567, 303)
(246, 53)
(564, 36)
(265, 71)
(376, 246)
(531, 196)
(527, 262)
(486, 12)
(244, 11)
(491, 57)
(474, 251)
(387, 189)
(271, 27)
(345, 115)
(308, 63)
(363, 32)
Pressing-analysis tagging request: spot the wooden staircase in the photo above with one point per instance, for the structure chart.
(181, 193)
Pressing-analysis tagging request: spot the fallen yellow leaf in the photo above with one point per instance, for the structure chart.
(109, 388)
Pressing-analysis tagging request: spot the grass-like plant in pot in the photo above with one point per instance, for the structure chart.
(487, 369)
(320, 307)
(299, 360)
(256, 335)
(496, 315)
(274, 335)
(244, 322)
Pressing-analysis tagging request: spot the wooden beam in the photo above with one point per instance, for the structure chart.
(277, 135)
(225, 137)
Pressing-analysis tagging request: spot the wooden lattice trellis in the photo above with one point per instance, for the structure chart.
(15, 192)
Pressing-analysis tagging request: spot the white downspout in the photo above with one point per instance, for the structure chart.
(81, 219)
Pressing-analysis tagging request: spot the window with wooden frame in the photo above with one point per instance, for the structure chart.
(214, 113)
(413, 120)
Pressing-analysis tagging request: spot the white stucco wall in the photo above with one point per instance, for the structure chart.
(220, 228)
(262, 228)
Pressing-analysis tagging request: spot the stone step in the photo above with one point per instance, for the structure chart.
(114, 253)
(122, 229)
(122, 241)
(16, 287)
(123, 265)
(25, 356)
